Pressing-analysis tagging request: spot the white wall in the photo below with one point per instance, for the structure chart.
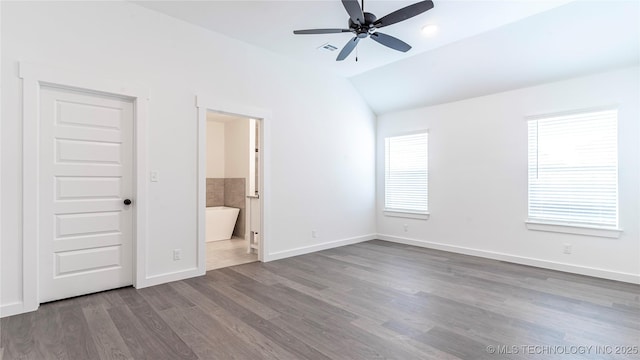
(322, 133)
(478, 176)
(236, 164)
(215, 149)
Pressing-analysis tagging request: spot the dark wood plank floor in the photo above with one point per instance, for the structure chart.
(373, 300)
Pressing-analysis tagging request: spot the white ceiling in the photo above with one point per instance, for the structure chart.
(482, 46)
(573, 40)
(270, 24)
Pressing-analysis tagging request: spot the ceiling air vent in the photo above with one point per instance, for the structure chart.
(328, 47)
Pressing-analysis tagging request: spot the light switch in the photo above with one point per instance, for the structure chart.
(154, 176)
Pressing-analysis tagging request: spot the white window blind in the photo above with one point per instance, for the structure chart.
(573, 168)
(406, 174)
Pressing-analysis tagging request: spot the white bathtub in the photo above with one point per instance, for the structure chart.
(220, 221)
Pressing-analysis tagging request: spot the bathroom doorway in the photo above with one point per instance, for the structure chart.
(233, 214)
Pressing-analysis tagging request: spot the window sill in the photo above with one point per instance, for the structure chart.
(406, 214)
(577, 229)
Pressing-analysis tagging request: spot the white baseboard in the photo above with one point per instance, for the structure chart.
(318, 247)
(16, 308)
(546, 264)
(11, 309)
(169, 277)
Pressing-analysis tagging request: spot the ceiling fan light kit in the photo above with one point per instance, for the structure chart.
(365, 24)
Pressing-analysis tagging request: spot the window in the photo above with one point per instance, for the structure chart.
(405, 174)
(573, 169)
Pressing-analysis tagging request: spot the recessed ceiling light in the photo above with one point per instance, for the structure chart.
(429, 30)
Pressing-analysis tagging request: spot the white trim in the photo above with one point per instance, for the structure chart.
(34, 76)
(577, 229)
(3, 308)
(406, 214)
(319, 247)
(213, 103)
(405, 133)
(44, 74)
(571, 112)
(201, 191)
(546, 264)
(30, 151)
(172, 276)
(11, 309)
(141, 172)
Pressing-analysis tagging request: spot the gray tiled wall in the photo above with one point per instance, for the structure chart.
(229, 192)
(215, 192)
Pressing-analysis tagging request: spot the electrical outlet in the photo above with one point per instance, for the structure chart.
(405, 227)
(314, 234)
(154, 176)
(177, 254)
(567, 248)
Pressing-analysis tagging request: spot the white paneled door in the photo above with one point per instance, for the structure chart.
(86, 166)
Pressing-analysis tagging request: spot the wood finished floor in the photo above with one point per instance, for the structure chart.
(372, 300)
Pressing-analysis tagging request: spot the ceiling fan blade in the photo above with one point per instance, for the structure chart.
(404, 13)
(390, 41)
(348, 48)
(320, 31)
(354, 10)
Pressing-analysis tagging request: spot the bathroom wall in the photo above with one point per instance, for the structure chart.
(215, 150)
(236, 169)
(215, 163)
(215, 191)
(235, 196)
(228, 152)
(236, 148)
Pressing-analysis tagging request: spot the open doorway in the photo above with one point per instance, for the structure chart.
(233, 213)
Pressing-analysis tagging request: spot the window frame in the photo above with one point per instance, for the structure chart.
(537, 224)
(403, 213)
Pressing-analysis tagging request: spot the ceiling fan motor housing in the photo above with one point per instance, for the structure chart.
(363, 30)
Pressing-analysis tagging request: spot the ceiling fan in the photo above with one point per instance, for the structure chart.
(364, 24)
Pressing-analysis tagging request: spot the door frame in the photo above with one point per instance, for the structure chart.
(206, 103)
(33, 78)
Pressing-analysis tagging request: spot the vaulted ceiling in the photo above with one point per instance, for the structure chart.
(572, 40)
(481, 46)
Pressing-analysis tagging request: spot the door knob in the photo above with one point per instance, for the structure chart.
(127, 202)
